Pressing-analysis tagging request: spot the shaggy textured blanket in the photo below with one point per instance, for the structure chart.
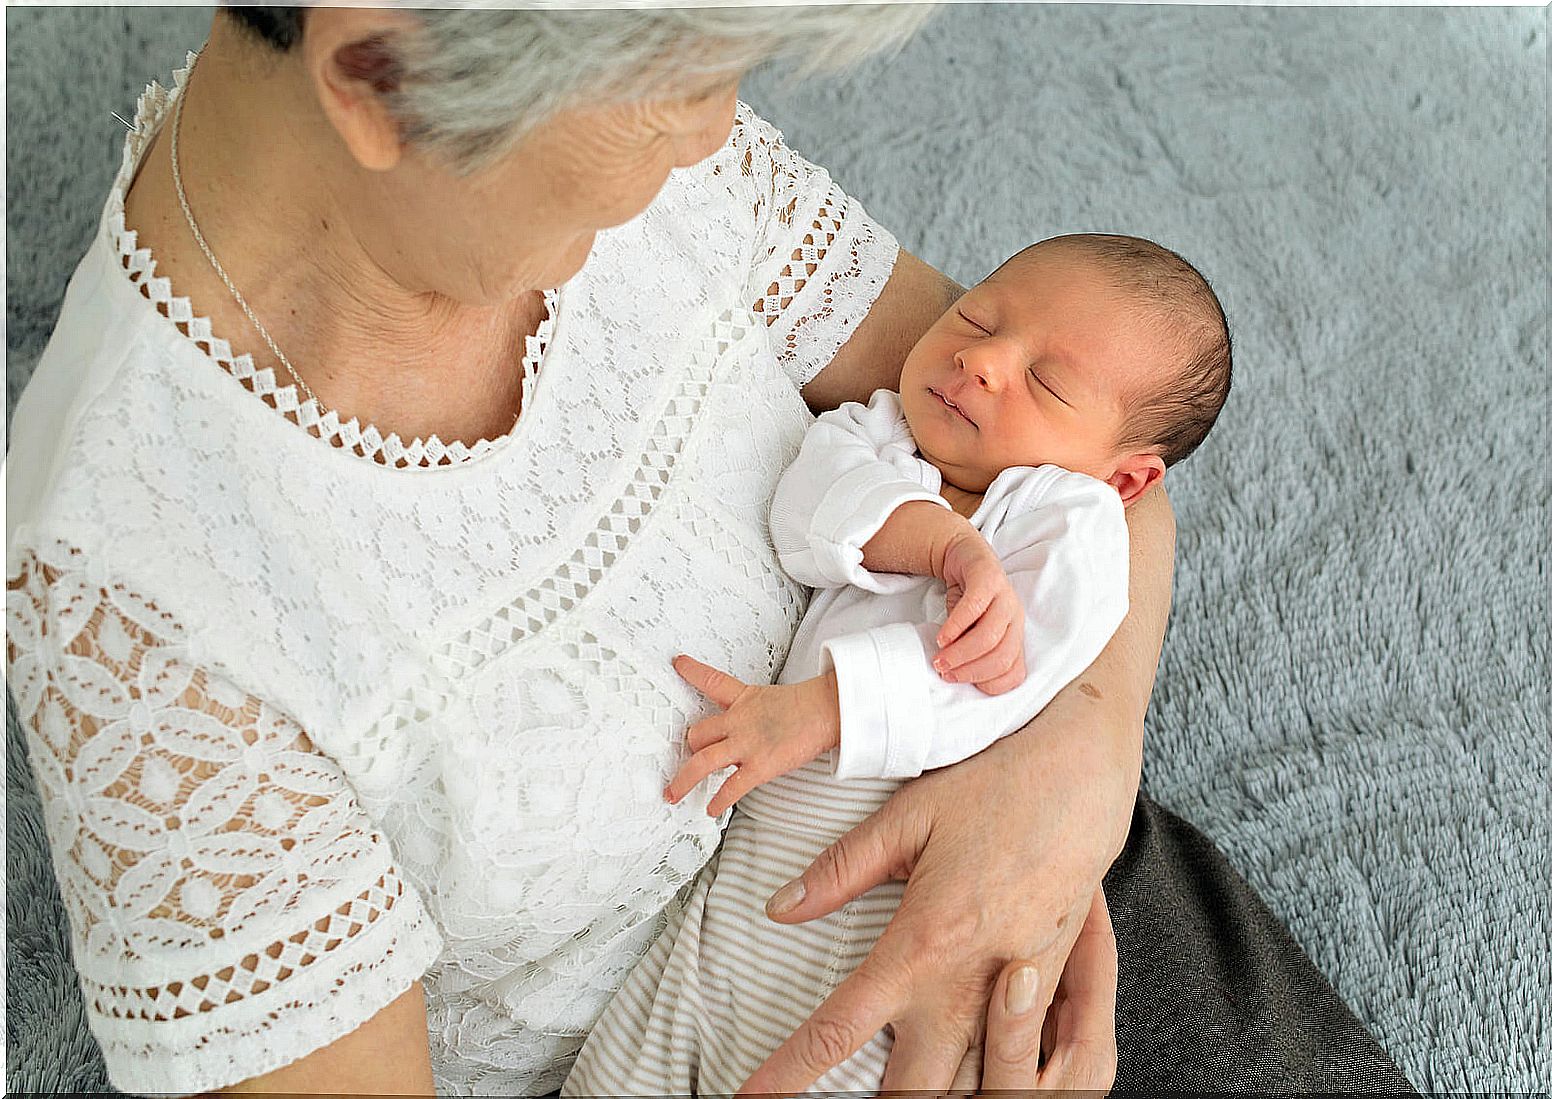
(1353, 695)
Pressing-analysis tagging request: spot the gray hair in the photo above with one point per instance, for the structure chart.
(468, 84)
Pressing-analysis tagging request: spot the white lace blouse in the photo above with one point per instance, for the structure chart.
(316, 713)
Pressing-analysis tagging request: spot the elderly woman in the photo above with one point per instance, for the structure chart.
(420, 396)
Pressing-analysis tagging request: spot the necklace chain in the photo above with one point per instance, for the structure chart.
(183, 200)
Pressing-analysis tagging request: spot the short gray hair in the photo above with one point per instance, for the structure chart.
(468, 84)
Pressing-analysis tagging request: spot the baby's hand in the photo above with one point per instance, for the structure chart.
(982, 640)
(766, 731)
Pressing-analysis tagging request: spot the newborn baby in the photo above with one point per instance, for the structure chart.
(967, 540)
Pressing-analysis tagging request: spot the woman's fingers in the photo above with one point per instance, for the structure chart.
(716, 685)
(857, 1009)
(875, 851)
(967, 1080)
(697, 767)
(1011, 1057)
(1082, 1048)
(925, 1057)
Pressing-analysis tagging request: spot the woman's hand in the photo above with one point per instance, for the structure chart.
(1002, 854)
(765, 730)
(1068, 1047)
(982, 640)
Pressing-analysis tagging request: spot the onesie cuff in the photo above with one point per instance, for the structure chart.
(850, 515)
(886, 710)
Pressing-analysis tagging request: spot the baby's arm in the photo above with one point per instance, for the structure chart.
(856, 467)
(1065, 555)
(882, 705)
(854, 509)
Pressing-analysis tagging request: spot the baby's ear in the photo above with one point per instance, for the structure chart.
(1136, 474)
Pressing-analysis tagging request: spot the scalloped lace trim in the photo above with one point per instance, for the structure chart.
(364, 441)
(231, 908)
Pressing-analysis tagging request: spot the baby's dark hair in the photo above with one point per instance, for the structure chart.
(1174, 415)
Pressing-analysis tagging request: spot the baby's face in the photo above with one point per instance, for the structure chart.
(1039, 361)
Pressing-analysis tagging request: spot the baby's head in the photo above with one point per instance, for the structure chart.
(1106, 355)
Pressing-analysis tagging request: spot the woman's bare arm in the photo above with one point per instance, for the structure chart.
(389, 1054)
(914, 297)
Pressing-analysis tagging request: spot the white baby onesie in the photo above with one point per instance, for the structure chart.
(724, 985)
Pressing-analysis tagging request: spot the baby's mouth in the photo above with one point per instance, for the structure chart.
(952, 405)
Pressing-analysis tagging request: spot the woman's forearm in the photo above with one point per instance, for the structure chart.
(389, 1054)
(1100, 714)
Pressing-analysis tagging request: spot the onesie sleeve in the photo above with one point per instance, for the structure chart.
(819, 260)
(1065, 553)
(231, 907)
(856, 465)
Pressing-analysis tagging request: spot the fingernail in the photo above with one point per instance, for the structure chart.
(1020, 996)
(786, 898)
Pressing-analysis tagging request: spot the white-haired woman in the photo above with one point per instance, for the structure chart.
(407, 414)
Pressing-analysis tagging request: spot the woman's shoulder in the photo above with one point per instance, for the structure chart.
(756, 166)
(101, 344)
(755, 178)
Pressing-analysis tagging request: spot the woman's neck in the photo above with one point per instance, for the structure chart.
(265, 186)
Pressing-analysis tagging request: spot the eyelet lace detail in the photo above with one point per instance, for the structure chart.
(364, 441)
(189, 821)
(852, 256)
(460, 686)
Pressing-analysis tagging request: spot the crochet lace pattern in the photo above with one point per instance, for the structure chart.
(409, 715)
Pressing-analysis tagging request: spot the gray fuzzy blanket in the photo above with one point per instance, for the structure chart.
(1353, 695)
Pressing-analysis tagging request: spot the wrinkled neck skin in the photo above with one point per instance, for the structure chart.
(270, 182)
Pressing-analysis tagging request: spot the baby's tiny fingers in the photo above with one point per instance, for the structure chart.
(696, 768)
(963, 615)
(705, 732)
(1004, 683)
(737, 785)
(999, 661)
(982, 638)
(714, 683)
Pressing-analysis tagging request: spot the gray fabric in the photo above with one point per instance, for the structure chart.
(1213, 994)
(1352, 700)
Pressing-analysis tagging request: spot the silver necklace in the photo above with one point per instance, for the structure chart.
(177, 182)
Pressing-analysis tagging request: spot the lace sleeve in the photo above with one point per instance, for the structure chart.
(231, 908)
(820, 261)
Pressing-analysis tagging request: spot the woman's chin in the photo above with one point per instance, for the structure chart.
(569, 262)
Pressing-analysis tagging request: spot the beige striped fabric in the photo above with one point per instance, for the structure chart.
(724, 985)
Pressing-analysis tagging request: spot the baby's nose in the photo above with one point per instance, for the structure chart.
(980, 367)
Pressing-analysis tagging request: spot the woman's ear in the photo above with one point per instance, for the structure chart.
(1135, 475)
(351, 59)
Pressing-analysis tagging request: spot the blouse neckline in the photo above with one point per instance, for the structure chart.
(137, 266)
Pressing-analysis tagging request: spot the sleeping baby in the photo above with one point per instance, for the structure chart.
(967, 541)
